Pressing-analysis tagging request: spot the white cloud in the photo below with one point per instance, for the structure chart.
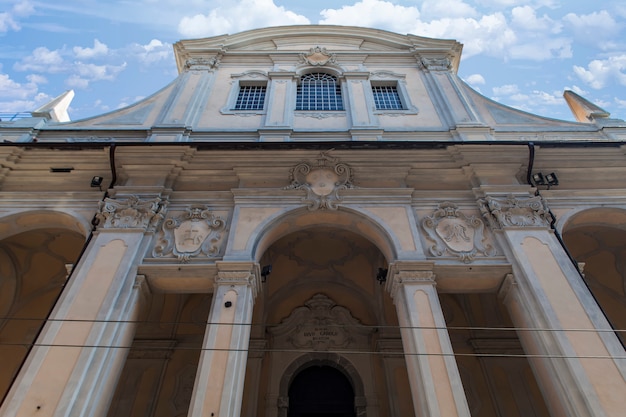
(373, 13)
(601, 72)
(8, 19)
(99, 49)
(98, 72)
(11, 89)
(595, 28)
(506, 90)
(542, 49)
(432, 9)
(23, 8)
(7, 23)
(490, 35)
(76, 81)
(42, 60)
(526, 18)
(475, 79)
(152, 52)
(238, 16)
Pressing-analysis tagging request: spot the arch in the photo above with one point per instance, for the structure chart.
(301, 218)
(321, 359)
(26, 221)
(597, 215)
(597, 238)
(319, 91)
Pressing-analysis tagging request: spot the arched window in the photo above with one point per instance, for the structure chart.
(319, 91)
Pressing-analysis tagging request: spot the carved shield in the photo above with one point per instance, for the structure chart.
(456, 234)
(322, 181)
(190, 235)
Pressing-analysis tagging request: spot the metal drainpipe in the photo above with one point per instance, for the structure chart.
(531, 162)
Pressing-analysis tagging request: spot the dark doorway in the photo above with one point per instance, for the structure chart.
(321, 391)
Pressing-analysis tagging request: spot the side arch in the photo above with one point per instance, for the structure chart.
(596, 238)
(26, 221)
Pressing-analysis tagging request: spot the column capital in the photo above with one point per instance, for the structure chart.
(409, 272)
(132, 212)
(514, 211)
(238, 273)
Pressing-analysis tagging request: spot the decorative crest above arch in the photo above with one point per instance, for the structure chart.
(318, 56)
(322, 180)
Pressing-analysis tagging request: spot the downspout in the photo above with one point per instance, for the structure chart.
(529, 173)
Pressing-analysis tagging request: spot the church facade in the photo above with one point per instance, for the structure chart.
(313, 221)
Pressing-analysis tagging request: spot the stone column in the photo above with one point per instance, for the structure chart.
(74, 366)
(436, 386)
(571, 346)
(218, 390)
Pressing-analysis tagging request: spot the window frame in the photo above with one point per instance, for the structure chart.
(385, 78)
(247, 79)
(250, 97)
(339, 93)
(397, 98)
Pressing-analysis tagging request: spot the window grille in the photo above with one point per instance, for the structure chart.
(386, 97)
(250, 97)
(319, 91)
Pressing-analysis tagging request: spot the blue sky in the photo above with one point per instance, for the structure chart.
(522, 53)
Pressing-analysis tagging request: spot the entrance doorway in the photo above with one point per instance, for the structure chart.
(321, 391)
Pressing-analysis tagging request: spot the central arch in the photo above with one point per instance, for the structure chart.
(321, 391)
(331, 368)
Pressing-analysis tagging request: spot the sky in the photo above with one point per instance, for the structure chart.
(112, 53)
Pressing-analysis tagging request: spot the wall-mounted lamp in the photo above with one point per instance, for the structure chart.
(381, 276)
(97, 182)
(265, 271)
(547, 179)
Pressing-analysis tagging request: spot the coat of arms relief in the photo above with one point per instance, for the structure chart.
(455, 234)
(322, 180)
(198, 232)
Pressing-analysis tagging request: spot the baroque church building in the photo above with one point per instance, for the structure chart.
(313, 221)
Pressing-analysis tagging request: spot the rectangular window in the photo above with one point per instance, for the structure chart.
(250, 97)
(386, 97)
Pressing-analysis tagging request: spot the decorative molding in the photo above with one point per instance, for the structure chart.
(318, 115)
(251, 74)
(131, 213)
(194, 233)
(322, 180)
(203, 63)
(321, 325)
(515, 211)
(318, 56)
(437, 64)
(387, 75)
(399, 277)
(456, 234)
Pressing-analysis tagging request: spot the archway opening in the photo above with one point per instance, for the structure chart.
(602, 250)
(321, 391)
(33, 271)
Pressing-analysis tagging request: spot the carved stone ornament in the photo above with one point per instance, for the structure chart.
(130, 213)
(195, 233)
(515, 211)
(320, 325)
(318, 56)
(203, 63)
(436, 64)
(453, 233)
(322, 180)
